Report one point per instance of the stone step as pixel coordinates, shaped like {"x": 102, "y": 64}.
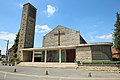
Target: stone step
{"x": 48, "y": 64}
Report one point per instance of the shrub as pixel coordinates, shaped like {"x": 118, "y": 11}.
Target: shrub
{"x": 109, "y": 62}
{"x": 5, "y": 61}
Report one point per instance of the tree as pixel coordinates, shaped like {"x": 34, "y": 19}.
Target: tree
{"x": 15, "y": 45}
{"x": 116, "y": 33}
{"x": 14, "y": 58}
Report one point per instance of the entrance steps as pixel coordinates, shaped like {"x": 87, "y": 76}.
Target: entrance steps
{"x": 48, "y": 64}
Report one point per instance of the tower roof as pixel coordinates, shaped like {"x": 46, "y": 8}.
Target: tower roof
{"x": 30, "y": 5}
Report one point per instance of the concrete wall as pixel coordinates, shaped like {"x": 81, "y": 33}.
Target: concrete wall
{"x": 101, "y": 53}
{"x": 27, "y": 56}
{"x": 83, "y": 54}
{"x": 70, "y": 37}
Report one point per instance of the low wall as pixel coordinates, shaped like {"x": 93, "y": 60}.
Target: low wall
{"x": 73, "y": 66}
{"x": 100, "y": 68}
{"x": 48, "y": 64}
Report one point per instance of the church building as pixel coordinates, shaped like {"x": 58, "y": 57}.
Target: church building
{"x": 61, "y": 45}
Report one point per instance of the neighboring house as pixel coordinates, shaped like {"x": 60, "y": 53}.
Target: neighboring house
{"x": 115, "y": 53}
{"x": 10, "y": 51}
{"x": 3, "y": 57}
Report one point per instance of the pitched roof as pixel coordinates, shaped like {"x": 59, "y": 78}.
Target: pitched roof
{"x": 59, "y": 26}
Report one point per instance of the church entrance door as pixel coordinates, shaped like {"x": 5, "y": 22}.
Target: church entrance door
{"x": 37, "y": 58}
{"x": 70, "y": 55}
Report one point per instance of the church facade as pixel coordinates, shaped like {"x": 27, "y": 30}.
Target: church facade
{"x": 66, "y": 45}
{"x": 62, "y": 45}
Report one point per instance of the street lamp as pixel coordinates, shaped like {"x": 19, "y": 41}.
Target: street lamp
{"x": 7, "y": 49}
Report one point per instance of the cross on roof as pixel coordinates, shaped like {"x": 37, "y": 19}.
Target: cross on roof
{"x": 58, "y": 34}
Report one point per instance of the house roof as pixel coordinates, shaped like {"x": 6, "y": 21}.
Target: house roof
{"x": 115, "y": 51}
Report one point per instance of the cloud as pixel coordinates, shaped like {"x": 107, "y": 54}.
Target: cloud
{"x": 0, "y": 48}
{"x": 3, "y": 50}
{"x": 7, "y": 36}
{"x": 21, "y": 5}
{"x": 50, "y": 10}
{"x": 106, "y": 37}
{"x": 90, "y": 34}
{"x": 42, "y": 28}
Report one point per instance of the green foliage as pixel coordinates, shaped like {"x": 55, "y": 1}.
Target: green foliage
{"x": 116, "y": 34}
{"x": 116, "y": 59}
{"x": 14, "y": 57}
{"x": 15, "y": 45}
{"x": 5, "y": 61}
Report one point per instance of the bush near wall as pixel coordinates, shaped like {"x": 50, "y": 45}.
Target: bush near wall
{"x": 116, "y": 59}
{"x": 100, "y": 63}
{"x": 4, "y": 62}
{"x": 110, "y": 62}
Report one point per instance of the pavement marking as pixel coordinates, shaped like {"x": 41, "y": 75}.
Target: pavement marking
{"x": 59, "y": 77}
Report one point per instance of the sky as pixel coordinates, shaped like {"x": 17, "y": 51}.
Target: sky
{"x": 94, "y": 19}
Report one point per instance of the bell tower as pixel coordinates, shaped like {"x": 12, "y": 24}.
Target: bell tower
{"x": 27, "y": 28}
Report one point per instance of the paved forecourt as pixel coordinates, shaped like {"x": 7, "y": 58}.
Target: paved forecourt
{"x": 35, "y": 73}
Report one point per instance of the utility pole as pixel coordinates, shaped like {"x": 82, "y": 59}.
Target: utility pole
{"x": 7, "y": 55}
